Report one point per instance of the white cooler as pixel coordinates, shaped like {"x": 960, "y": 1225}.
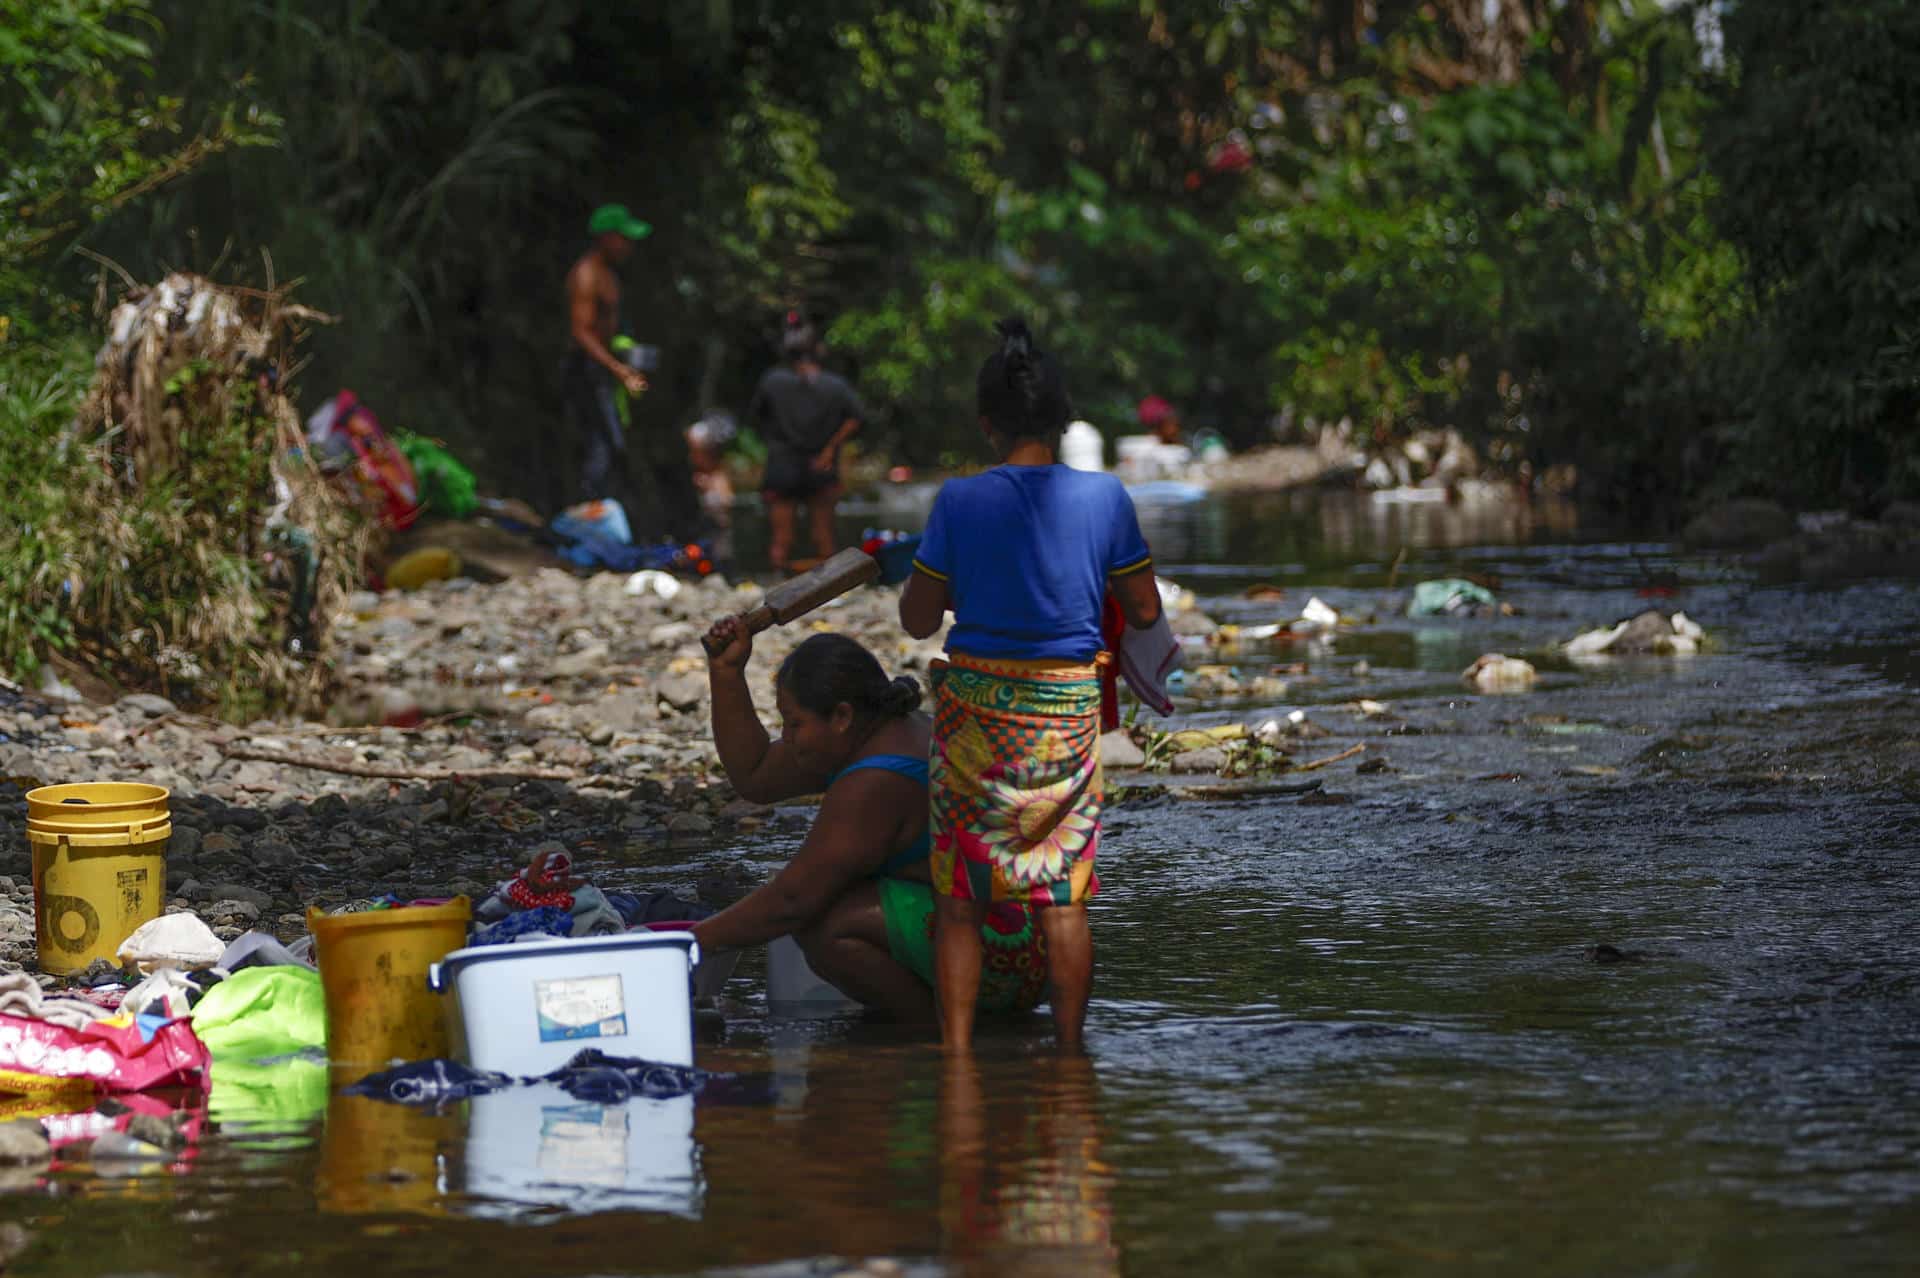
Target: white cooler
{"x": 538, "y": 1148}
{"x": 529, "y": 1007}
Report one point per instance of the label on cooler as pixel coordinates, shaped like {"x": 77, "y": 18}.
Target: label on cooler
{"x": 580, "y": 1007}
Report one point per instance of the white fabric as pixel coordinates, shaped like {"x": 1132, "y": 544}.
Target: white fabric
{"x": 1147, "y": 656}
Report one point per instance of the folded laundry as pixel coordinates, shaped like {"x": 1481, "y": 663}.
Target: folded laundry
{"x": 546, "y": 921}
{"x": 20, "y": 995}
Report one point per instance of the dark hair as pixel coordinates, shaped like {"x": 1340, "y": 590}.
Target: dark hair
{"x": 798, "y": 341}
{"x": 826, "y": 670}
{"x": 1020, "y": 390}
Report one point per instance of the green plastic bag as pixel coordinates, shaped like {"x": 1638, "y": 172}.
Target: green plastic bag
{"x": 262, "y": 1011}
{"x": 1447, "y": 594}
{"x": 446, "y": 487}
{"x": 271, "y": 1102}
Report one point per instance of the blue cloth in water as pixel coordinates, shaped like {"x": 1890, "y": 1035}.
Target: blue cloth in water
{"x": 430, "y": 1083}
{"x": 550, "y": 919}
{"x": 589, "y": 1076}
{"x": 611, "y": 1080}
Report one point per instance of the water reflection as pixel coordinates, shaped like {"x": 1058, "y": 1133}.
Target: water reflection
{"x": 1293, "y": 531}
{"x": 538, "y": 1148}
{"x": 1023, "y": 1186}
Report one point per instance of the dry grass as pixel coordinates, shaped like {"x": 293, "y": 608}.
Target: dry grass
{"x": 192, "y": 502}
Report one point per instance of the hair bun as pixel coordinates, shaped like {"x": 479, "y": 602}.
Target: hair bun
{"x": 902, "y": 696}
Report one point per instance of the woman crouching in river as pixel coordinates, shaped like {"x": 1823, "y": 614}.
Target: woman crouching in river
{"x": 856, "y": 897}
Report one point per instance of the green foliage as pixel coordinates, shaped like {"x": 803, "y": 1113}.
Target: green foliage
{"x": 1281, "y": 214}
{"x": 1813, "y": 141}
{"x": 86, "y": 136}
{"x": 39, "y": 390}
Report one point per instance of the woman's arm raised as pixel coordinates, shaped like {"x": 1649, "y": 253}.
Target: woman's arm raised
{"x": 759, "y": 768}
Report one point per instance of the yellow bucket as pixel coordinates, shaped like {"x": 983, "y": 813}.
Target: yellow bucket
{"x": 99, "y": 867}
{"x": 373, "y": 968}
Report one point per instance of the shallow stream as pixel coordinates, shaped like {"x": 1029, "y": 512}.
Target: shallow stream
{"x": 1612, "y": 977}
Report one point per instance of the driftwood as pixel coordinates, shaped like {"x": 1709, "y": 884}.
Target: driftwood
{"x": 391, "y": 772}
{"x": 1332, "y": 758}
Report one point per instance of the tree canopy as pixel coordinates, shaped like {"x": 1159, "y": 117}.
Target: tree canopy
{"x": 1604, "y": 232}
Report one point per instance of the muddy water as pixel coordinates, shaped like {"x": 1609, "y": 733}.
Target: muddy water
{"x": 1373, "y": 1031}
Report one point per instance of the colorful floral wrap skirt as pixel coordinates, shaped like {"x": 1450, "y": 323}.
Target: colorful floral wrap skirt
{"x": 1016, "y": 781}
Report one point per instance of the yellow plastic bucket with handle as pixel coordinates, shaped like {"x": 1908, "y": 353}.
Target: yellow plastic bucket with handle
{"x": 99, "y": 867}
{"x": 373, "y": 969}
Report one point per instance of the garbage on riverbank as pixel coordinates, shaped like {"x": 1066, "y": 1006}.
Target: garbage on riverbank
{"x": 1497, "y": 672}
{"x": 1650, "y": 633}
{"x": 1269, "y": 747}
{"x": 1451, "y": 597}
{"x": 192, "y": 548}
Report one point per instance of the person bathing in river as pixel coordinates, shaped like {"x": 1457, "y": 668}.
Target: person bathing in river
{"x": 856, "y": 897}
{"x": 1024, "y": 556}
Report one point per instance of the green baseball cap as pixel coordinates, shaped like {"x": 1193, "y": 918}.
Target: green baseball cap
{"x": 615, "y": 218}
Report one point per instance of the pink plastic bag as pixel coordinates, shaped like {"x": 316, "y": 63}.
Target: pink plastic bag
{"x": 112, "y": 1055}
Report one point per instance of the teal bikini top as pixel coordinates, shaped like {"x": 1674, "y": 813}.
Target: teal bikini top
{"x": 913, "y": 769}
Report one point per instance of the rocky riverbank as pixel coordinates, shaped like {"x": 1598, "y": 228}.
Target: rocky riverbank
{"x": 474, "y": 724}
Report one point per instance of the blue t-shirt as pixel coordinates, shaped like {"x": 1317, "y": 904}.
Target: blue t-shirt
{"x": 1025, "y": 552}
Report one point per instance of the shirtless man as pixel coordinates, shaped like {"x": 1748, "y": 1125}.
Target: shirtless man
{"x": 592, "y": 369}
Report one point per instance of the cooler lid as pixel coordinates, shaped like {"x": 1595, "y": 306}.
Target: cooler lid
{"x": 639, "y": 939}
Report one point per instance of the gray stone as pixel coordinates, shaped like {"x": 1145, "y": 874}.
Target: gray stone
{"x": 1643, "y": 633}
{"x": 220, "y": 843}
{"x": 275, "y": 850}
{"x": 682, "y": 692}
{"x": 184, "y": 845}
{"x": 23, "y": 1141}
{"x": 1211, "y": 759}
{"x": 222, "y": 908}
{"x": 144, "y": 705}
{"x": 565, "y": 752}
{"x": 237, "y": 892}
{"x": 119, "y": 1147}
{"x": 584, "y": 664}
{"x": 247, "y": 820}
{"x": 1902, "y": 514}
{"x": 1117, "y": 750}
{"x": 626, "y": 711}
{"x": 690, "y": 825}
{"x": 672, "y": 634}
{"x": 157, "y": 1131}
{"x": 1743, "y": 522}
{"x": 327, "y": 808}
{"x": 600, "y": 734}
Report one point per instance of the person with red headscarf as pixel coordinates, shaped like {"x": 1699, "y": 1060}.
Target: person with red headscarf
{"x": 1160, "y": 418}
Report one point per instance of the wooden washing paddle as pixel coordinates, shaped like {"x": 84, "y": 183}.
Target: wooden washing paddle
{"x": 851, "y": 567}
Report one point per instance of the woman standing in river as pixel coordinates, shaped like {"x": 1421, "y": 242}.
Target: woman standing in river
{"x": 856, "y": 897}
{"x": 1023, "y": 555}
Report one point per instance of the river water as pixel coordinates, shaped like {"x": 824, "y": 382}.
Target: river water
{"x": 1612, "y": 977}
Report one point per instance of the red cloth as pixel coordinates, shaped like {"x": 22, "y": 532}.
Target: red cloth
{"x": 1113, "y": 627}
{"x": 527, "y": 897}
